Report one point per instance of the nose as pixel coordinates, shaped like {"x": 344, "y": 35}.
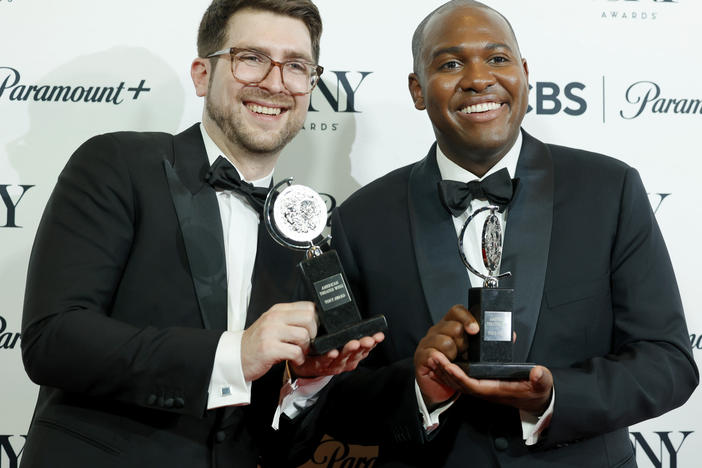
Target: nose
{"x": 273, "y": 82}
{"x": 477, "y": 76}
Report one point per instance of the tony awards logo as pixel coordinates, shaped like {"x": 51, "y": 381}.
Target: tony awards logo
{"x": 295, "y": 218}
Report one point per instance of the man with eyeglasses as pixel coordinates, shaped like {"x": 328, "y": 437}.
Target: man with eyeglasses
{"x": 157, "y": 317}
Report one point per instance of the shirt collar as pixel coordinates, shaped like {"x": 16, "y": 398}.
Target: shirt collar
{"x": 213, "y": 152}
{"x": 451, "y": 171}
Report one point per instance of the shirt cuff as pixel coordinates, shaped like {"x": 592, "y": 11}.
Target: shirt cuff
{"x": 298, "y": 395}
{"x": 532, "y": 425}
{"x": 227, "y": 384}
{"x": 430, "y": 421}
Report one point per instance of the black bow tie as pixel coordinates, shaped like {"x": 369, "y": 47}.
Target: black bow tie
{"x": 496, "y": 188}
{"x": 224, "y": 176}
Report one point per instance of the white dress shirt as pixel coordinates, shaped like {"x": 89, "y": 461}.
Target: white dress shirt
{"x": 228, "y": 387}
{"x": 532, "y": 425}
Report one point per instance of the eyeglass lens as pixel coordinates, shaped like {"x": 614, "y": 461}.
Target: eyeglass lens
{"x": 251, "y": 67}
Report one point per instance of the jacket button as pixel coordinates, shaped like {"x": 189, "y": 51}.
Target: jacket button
{"x": 151, "y": 400}
{"x": 501, "y": 444}
{"x": 220, "y": 436}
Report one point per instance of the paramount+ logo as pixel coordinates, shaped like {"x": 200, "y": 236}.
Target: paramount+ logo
{"x": 13, "y": 89}
{"x": 8, "y": 339}
{"x": 696, "y": 341}
{"x": 647, "y": 97}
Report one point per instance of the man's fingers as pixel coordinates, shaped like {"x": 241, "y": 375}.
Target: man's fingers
{"x": 339, "y": 361}
{"x": 446, "y": 378}
{"x": 541, "y": 379}
{"x": 460, "y": 314}
{"x": 301, "y": 314}
{"x": 290, "y": 352}
{"x": 295, "y": 335}
{"x": 444, "y": 344}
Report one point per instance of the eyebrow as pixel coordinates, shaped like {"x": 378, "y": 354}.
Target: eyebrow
{"x": 288, "y": 54}
{"x": 455, "y": 50}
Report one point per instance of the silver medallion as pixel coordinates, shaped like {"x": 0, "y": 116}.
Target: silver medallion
{"x": 300, "y": 213}
{"x": 492, "y": 244}
{"x": 491, "y": 247}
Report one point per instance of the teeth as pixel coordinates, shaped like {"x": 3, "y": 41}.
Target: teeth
{"x": 483, "y": 107}
{"x": 263, "y": 110}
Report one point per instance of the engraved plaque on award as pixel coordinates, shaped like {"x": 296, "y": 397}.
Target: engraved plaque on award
{"x": 295, "y": 217}
{"x": 490, "y": 351}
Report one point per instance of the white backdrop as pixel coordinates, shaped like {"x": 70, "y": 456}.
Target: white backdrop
{"x": 614, "y": 76}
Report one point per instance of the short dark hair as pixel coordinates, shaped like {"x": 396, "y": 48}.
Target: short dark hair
{"x": 418, "y": 36}
{"x": 212, "y": 33}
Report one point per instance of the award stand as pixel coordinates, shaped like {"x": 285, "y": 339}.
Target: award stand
{"x": 295, "y": 217}
{"x": 490, "y": 351}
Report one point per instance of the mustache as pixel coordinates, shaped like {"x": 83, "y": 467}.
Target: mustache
{"x": 278, "y": 99}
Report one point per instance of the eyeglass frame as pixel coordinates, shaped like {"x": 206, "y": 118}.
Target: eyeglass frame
{"x": 274, "y": 63}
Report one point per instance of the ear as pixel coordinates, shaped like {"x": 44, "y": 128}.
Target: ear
{"x": 415, "y": 90}
{"x": 200, "y": 73}
{"x": 526, "y": 69}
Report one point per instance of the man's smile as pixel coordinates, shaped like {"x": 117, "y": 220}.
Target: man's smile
{"x": 264, "y": 109}
{"x": 482, "y": 107}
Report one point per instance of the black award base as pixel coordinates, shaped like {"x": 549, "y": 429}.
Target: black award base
{"x": 490, "y": 351}
{"x": 339, "y": 318}
{"x": 497, "y": 370}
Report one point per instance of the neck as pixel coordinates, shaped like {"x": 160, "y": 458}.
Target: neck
{"x": 478, "y": 161}
{"x": 476, "y": 164}
{"x": 251, "y": 166}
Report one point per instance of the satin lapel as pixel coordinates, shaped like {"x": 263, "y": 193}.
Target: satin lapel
{"x": 443, "y": 276}
{"x": 200, "y": 223}
{"x": 527, "y": 239}
{"x": 275, "y": 277}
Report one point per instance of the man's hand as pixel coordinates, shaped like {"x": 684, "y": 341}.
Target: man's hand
{"x": 533, "y": 395}
{"x": 439, "y": 378}
{"x": 335, "y": 362}
{"x": 441, "y": 345}
{"x": 282, "y": 333}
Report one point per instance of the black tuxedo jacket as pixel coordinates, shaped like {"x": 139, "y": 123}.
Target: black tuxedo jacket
{"x": 124, "y": 307}
{"x": 595, "y": 301}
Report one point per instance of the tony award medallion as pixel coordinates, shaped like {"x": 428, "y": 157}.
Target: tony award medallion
{"x": 490, "y": 351}
{"x": 295, "y": 217}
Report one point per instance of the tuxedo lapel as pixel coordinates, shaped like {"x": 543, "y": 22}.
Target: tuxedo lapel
{"x": 443, "y": 276}
{"x": 527, "y": 239}
{"x": 275, "y": 277}
{"x": 200, "y": 223}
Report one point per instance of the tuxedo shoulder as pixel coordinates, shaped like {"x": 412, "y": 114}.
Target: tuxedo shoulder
{"x": 119, "y": 148}
{"x": 391, "y": 186}
{"x": 128, "y": 142}
{"x": 582, "y": 159}
{"x": 578, "y": 169}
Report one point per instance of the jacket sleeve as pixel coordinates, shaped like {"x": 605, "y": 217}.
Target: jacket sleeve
{"x": 650, "y": 369}
{"x": 70, "y": 341}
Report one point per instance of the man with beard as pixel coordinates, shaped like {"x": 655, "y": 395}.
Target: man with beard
{"x": 156, "y": 314}
{"x": 596, "y": 305}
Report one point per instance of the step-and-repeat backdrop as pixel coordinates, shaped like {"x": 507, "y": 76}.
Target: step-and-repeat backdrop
{"x": 619, "y": 77}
